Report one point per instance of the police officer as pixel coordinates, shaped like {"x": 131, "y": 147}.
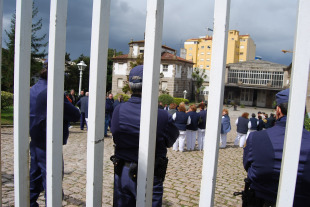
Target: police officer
{"x": 262, "y": 160}
{"x": 125, "y": 128}
{"x": 38, "y": 108}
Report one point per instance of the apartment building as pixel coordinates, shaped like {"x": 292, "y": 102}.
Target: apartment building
{"x": 239, "y": 48}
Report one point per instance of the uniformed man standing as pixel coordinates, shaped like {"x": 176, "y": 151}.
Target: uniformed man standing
{"x": 38, "y": 109}
{"x": 262, "y": 161}
{"x": 125, "y": 129}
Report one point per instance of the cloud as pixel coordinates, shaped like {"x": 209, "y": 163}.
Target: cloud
{"x": 271, "y": 24}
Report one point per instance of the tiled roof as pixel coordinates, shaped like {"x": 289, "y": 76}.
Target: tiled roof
{"x": 121, "y": 57}
{"x": 164, "y": 56}
{"x": 169, "y": 56}
{"x": 208, "y": 38}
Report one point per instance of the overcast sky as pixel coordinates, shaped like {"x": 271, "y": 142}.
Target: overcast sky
{"x": 271, "y": 23}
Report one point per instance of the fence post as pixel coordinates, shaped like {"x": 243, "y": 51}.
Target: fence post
{"x": 97, "y": 88}
{"x": 149, "y": 106}
{"x": 296, "y": 110}
{"x": 21, "y": 101}
{"x": 213, "y": 125}
{"x": 55, "y": 101}
{"x": 1, "y": 17}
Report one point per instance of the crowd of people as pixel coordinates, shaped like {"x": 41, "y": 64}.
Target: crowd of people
{"x": 261, "y": 137}
{"x": 246, "y": 125}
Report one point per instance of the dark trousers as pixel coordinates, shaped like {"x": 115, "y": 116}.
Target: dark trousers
{"x": 252, "y": 201}
{"x": 106, "y": 124}
{"x": 82, "y": 120}
{"x": 37, "y": 173}
{"x": 125, "y": 190}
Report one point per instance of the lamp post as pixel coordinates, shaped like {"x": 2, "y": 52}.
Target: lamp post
{"x": 81, "y": 67}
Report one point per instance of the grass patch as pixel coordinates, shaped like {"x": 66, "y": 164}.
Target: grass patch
{"x": 7, "y": 116}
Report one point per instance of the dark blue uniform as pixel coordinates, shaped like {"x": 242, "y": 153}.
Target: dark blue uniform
{"x": 108, "y": 114}
{"x": 262, "y": 160}
{"x": 203, "y": 116}
{"x": 125, "y": 128}
{"x": 38, "y": 108}
{"x": 83, "y": 105}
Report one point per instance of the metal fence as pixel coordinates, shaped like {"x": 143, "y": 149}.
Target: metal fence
{"x": 153, "y": 40}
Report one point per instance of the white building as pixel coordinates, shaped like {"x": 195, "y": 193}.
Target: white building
{"x": 175, "y": 71}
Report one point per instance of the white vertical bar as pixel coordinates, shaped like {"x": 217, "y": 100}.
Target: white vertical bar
{"x": 97, "y": 88}
{"x": 55, "y": 101}
{"x": 297, "y": 100}
{"x": 21, "y": 100}
{"x": 213, "y": 126}
{"x": 1, "y": 17}
{"x": 148, "y": 122}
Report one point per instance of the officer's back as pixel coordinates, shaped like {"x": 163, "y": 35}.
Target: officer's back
{"x": 125, "y": 128}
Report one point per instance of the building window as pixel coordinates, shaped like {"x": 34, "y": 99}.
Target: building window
{"x": 190, "y": 54}
{"x": 242, "y": 46}
{"x": 165, "y": 68}
{"x": 209, "y": 47}
{"x": 202, "y": 53}
{"x": 208, "y": 59}
{"x": 208, "y": 53}
{"x": 255, "y": 77}
{"x": 241, "y": 53}
{"x": 176, "y": 87}
{"x": 202, "y": 47}
{"x": 201, "y": 66}
{"x": 164, "y": 85}
{"x": 232, "y": 38}
{"x": 208, "y": 66}
{"x": 201, "y": 59}
{"x": 120, "y": 83}
{"x": 190, "y": 48}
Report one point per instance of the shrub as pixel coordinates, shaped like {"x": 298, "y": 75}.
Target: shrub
{"x": 177, "y": 101}
{"x": 166, "y": 99}
{"x": 241, "y": 106}
{"x": 125, "y": 97}
{"x": 6, "y": 99}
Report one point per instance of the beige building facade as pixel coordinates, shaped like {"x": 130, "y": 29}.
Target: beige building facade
{"x": 175, "y": 71}
{"x": 239, "y": 48}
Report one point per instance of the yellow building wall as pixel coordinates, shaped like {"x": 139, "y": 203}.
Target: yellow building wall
{"x": 233, "y": 47}
{"x": 191, "y": 47}
{"x": 239, "y": 48}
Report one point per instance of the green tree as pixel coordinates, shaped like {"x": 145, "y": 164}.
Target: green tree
{"x": 72, "y": 74}
{"x": 37, "y": 51}
{"x": 198, "y": 76}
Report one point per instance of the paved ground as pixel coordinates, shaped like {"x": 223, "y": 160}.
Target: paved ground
{"x": 182, "y": 184}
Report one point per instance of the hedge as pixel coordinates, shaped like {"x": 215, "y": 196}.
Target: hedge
{"x": 165, "y": 99}
{"x": 125, "y": 97}
{"x": 6, "y": 99}
{"x": 177, "y": 101}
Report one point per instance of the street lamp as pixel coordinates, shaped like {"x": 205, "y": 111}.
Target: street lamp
{"x": 81, "y": 67}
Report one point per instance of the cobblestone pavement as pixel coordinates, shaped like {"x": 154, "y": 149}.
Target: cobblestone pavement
{"x": 182, "y": 184}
